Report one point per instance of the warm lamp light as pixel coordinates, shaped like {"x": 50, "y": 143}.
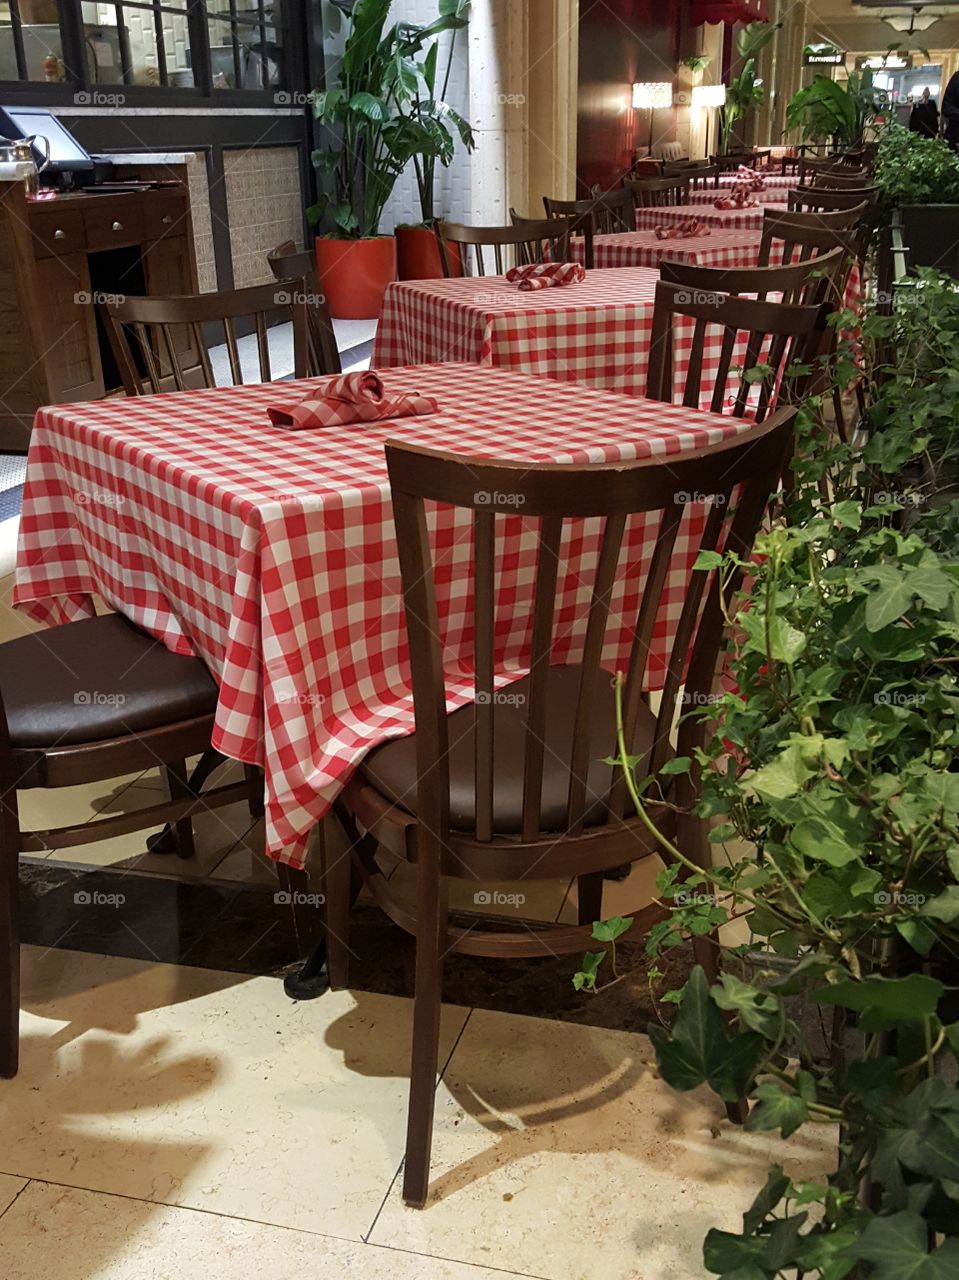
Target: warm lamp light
{"x": 709, "y": 95}
{"x": 652, "y": 94}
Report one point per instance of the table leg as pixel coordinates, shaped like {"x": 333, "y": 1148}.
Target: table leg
{"x": 166, "y": 841}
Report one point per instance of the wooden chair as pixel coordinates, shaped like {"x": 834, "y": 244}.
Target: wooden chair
{"x": 809, "y": 282}
{"x": 456, "y": 805}
{"x": 542, "y": 240}
{"x": 776, "y": 335}
{"x": 828, "y": 200}
{"x": 834, "y": 180}
{"x": 813, "y": 168}
{"x": 733, "y": 159}
{"x": 160, "y": 344}
{"x": 703, "y": 176}
{"x": 811, "y": 234}
{"x": 649, "y": 193}
{"x": 613, "y": 211}
{"x": 291, "y": 264}
{"x": 86, "y": 702}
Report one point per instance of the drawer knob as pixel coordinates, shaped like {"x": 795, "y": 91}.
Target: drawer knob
{"x": 167, "y": 219}
{"x": 118, "y": 226}
{"x": 59, "y": 235}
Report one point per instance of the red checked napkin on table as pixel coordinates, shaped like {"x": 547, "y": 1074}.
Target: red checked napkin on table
{"x": 352, "y": 397}
{"x": 738, "y": 198}
{"x": 749, "y": 178}
{"x": 681, "y": 230}
{"x": 545, "y": 275}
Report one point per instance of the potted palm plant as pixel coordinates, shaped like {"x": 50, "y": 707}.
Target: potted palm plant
{"x": 744, "y": 92}
{"x": 830, "y": 110}
{"x": 373, "y": 136}
{"x": 438, "y": 127}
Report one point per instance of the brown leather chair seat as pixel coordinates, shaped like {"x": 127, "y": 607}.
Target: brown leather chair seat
{"x": 97, "y": 679}
{"x": 391, "y": 768}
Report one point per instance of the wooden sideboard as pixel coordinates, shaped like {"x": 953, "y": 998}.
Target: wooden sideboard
{"x": 56, "y": 258}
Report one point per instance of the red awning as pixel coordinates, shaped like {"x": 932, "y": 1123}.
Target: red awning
{"x": 729, "y": 11}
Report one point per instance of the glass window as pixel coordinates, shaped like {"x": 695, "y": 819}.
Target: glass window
{"x": 246, "y": 43}
{"x": 31, "y": 44}
{"x": 138, "y": 43}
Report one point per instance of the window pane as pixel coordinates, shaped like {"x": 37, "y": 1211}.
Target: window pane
{"x": 42, "y": 43}
{"x": 130, "y": 53}
{"x": 246, "y": 41}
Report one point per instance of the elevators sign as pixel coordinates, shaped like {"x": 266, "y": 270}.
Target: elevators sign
{"x": 823, "y": 55}
{"x": 885, "y": 62}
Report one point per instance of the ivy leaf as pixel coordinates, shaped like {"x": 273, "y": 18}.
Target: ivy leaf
{"x": 586, "y": 976}
{"x": 759, "y": 1010}
{"x": 777, "y": 1109}
{"x": 783, "y": 776}
{"x": 776, "y": 1186}
{"x": 884, "y": 1002}
{"x": 897, "y": 1248}
{"x": 725, "y": 1254}
{"x": 611, "y": 929}
{"x": 944, "y": 907}
{"x": 678, "y": 764}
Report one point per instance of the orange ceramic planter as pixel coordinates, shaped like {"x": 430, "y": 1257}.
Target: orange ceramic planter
{"x": 354, "y": 275}
{"x": 418, "y": 255}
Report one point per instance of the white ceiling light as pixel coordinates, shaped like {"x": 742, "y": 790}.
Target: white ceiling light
{"x": 916, "y": 18}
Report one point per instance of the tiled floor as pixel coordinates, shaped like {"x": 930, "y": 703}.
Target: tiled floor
{"x": 175, "y": 1121}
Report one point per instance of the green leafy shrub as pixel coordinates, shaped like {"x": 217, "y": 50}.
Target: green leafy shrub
{"x": 912, "y": 169}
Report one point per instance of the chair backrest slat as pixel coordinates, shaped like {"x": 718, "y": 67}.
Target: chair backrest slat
{"x": 291, "y": 264}
{"x": 663, "y": 493}
{"x": 151, "y": 336}
{"x": 811, "y": 280}
{"x": 531, "y": 241}
{"x": 829, "y": 199}
{"x": 649, "y": 193}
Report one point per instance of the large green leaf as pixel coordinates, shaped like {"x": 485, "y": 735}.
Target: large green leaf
{"x": 884, "y": 1002}
{"x": 777, "y": 1109}
{"x": 897, "y": 1248}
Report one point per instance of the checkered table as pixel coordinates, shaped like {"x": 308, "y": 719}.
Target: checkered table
{"x": 729, "y": 220}
{"x": 643, "y": 249}
{"x": 271, "y": 554}
{"x": 596, "y": 333}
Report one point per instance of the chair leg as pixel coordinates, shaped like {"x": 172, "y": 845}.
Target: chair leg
{"x": 254, "y": 779}
{"x": 335, "y": 876}
{"x": 9, "y": 936}
{"x": 431, "y": 931}
{"x": 178, "y": 787}
{"x": 589, "y": 890}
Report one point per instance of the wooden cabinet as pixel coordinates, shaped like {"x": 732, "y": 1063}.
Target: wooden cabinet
{"x": 56, "y": 258}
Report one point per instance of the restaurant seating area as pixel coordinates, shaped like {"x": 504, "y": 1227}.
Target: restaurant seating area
{"x": 479, "y": 602}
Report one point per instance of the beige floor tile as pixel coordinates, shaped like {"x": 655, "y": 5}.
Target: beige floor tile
{"x": 10, "y": 1188}
{"x": 209, "y": 1091}
{"x": 621, "y": 897}
{"x": 557, "y": 1150}
{"x": 57, "y": 1233}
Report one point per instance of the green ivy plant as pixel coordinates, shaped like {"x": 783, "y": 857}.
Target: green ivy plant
{"x": 833, "y": 751}
{"x": 912, "y": 169}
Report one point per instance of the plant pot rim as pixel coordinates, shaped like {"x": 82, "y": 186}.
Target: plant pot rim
{"x": 355, "y": 239}
{"x": 416, "y": 226}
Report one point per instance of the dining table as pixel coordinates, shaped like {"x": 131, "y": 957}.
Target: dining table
{"x": 671, "y": 215}
{"x": 595, "y": 333}
{"x": 712, "y": 247}
{"x": 271, "y": 553}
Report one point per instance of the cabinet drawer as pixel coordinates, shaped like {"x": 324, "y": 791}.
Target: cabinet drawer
{"x": 165, "y": 215}
{"x": 56, "y": 232}
{"x": 119, "y": 222}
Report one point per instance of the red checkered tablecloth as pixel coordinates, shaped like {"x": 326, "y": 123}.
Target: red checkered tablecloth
{"x": 729, "y": 220}
{"x": 644, "y": 249}
{"x": 271, "y": 554}
{"x": 596, "y": 333}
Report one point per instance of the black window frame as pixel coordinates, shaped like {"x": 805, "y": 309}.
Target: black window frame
{"x": 299, "y": 36}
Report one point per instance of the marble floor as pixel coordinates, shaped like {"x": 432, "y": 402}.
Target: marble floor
{"x": 171, "y": 1121}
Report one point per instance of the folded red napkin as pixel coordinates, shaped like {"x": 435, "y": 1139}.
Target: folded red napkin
{"x": 749, "y": 178}
{"x": 352, "y": 397}
{"x": 545, "y": 275}
{"x": 681, "y": 230}
{"x": 738, "y": 198}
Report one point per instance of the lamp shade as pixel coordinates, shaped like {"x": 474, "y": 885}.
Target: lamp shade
{"x": 709, "y": 95}
{"x": 653, "y": 94}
